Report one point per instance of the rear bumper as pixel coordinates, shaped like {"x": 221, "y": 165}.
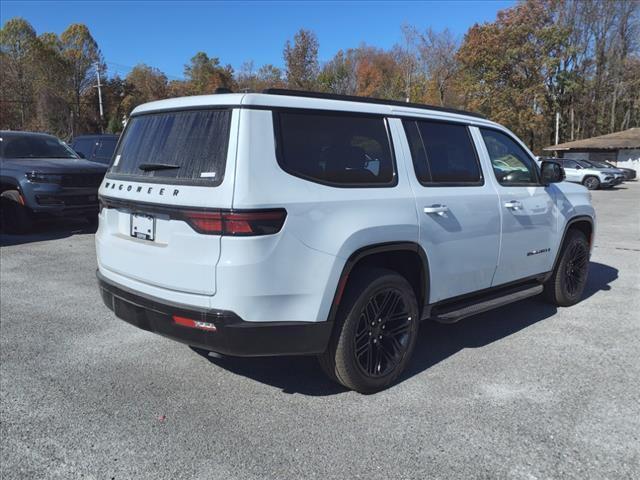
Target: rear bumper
{"x": 232, "y": 335}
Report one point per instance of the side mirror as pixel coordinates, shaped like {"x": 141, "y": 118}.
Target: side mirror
{"x": 552, "y": 172}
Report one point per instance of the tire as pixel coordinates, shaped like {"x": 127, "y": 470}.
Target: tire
{"x": 375, "y": 331}
{"x": 92, "y": 220}
{"x": 15, "y": 217}
{"x": 592, "y": 183}
{"x": 566, "y": 284}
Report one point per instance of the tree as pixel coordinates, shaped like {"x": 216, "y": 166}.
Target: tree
{"x": 18, "y": 50}
{"x": 437, "y": 56}
{"x": 267, "y": 76}
{"x": 301, "y": 60}
{"x": 205, "y": 74}
{"x": 270, "y": 76}
{"x": 503, "y": 64}
{"x": 143, "y": 84}
{"x": 52, "y": 81}
{"x": 83, "y": 58}
{"x": 339, "y": 74}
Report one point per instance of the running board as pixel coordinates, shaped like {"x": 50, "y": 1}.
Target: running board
{"x": 452, "y": 316}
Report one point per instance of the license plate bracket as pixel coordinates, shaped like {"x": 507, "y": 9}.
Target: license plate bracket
{"x": 143, "y": 226}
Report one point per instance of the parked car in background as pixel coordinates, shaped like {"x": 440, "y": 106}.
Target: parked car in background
{"x": 589, "y": 175}
{"x": 41, "y": 175}
{"x": 96, "y": 148}
{"x": 629, "y": 173}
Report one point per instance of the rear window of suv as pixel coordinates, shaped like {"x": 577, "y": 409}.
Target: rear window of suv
{"x": 335, "y": 148}
{"x": 175, "y": 147}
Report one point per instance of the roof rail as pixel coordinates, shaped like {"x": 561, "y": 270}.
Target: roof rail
{"x": 354, "y": 98}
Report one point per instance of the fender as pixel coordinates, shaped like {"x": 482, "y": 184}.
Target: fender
{"x": 369, "y": 250}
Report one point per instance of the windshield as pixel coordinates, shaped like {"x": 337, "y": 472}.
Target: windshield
{"x": 601, "y": 164}
{"x": 32, "y": 146}
{"x": 175, "y": 147}
{"x": 584, "y": 163}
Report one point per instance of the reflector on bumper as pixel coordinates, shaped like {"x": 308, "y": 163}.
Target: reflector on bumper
{"x": 190, "y": 323}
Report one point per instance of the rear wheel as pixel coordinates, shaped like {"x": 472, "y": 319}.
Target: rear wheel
{"x": 592, "y": 183}
{"x": 566, "y": 285}
{"x": 376, "y": 330}
{"x": 15, "y": 217}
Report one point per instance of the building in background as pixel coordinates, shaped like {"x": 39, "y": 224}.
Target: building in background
{"x": 620, "y": 148}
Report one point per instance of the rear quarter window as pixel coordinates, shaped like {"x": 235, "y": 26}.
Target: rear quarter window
{"x": 337, "y": 149}
{"x": 192, "y": 145}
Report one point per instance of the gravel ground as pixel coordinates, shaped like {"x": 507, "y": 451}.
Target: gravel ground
{"x": 526, "y": 391}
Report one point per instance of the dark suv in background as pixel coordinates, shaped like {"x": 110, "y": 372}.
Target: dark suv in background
{"x": 97, "y": 148}
{"x": 41, "y": 175}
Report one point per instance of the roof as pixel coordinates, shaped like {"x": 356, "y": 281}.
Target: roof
{"x": 613, "y": 141}
{"x": 354, "y": 98}
{"x": 20, "y": 133}
{"x": 96, "y": 135}
{"x": 310, "y": 100}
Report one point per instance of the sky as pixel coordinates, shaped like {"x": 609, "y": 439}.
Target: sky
{"x": 166, "y": 34}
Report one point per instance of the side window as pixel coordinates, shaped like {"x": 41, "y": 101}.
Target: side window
{"x": 569, "y": 164}
{"x": 84, "y": 146}
{"x": 104, "y": 151}
{"x": 511, "y": 164}
{"x": 442, "y": 153}
{"x": 334, "y": 148}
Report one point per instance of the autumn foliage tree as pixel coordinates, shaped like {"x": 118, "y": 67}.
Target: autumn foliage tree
{"x": 82, "y": 58}
{"x": 204, "y": 74}
{"x": 301, "y": 60}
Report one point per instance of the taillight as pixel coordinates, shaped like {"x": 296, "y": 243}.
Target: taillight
{"x": 205, "y": 222}
{"x": 236, "y": 223}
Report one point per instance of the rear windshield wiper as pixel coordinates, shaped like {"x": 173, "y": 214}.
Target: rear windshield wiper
{"x": 148, "y": 167}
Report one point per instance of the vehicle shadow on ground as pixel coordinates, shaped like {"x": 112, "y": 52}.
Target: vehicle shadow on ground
{"x": 436, "y": 342}
{"x": 49, "y": 229}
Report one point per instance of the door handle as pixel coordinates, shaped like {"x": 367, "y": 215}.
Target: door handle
{"x": 437, "y": 209}
{"x": 513, "y": 205}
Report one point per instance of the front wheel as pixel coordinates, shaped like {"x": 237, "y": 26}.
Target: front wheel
{"x": 567, "y": 282}
{"x": 15, "y": 217}
{"x": 376, "y": 330}
{"x": 592, "y": 183}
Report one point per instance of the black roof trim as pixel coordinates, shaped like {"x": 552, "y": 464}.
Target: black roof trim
{"x": 354, "y": 98}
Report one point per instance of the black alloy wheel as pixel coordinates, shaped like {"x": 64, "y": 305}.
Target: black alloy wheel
{"x": 569, "y": 278}
{"x": 575, "y": 270}
{"x": 382, "y": 335}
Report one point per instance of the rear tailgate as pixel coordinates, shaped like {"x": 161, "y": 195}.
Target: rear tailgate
{"x": 144, "y": 233}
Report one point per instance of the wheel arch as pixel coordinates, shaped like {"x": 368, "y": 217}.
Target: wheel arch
{"x": 407, "y": 258}
{"x": 9, "y": 183}
{"x": 583, "y": 223}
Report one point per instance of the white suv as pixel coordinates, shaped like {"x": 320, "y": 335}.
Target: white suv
{"x": 590, "y": 175}
{"x": 290, "y": 223}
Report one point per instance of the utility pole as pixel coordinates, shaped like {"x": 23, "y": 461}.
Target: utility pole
{"x": 557, "y": 128}
{"x": 100, "y": 96}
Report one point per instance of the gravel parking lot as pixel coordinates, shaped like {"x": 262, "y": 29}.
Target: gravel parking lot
{"x": 526, "y": 391}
